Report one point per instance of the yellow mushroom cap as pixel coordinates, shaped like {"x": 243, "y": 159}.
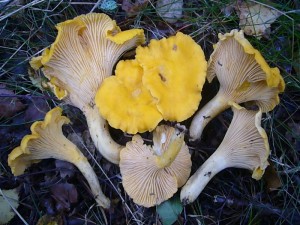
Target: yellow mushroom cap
{"x": 174, "y": 72}
{"x": 125, "y": 103}
{"x": 143, "y": 179}
{"x": 47, "y": 141}
{"x": 83, "y": 54}
{"x": 243, "y": 73}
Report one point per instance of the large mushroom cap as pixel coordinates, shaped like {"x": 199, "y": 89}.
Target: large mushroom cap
{"x": 47, "y": 141}
{"x": 125, "y": 103}
{"x": 243, "y": 73}
{"x": 174, "y": 72}
{"x": 84, "y": 52}
{"x": 144, "y": 179}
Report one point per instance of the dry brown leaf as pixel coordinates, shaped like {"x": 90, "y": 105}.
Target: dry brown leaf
{"x": 36, "y": 110}
{"x": 133, "y": 7}
{"x": 64, "y": 194}
{"x": 255, "y": 19}
{"x": 272, "y": 178}
{"x": 169, "y": 10}
{"x": 9, "y": 105}
{"x": 66, "y": 169}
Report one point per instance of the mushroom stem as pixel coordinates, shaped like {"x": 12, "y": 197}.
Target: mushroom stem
{"x": 47, "y": 141}
{"x": 91, "y": 177}
{"x": 216, "y": 105}
{"x": 196, "y": 183}
{"x": 100, "y": 135}
{"x": 70, "y": 153}
{"x": 171, "y": 153}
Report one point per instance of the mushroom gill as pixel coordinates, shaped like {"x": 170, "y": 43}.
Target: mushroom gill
{"x": 245, "y": 146}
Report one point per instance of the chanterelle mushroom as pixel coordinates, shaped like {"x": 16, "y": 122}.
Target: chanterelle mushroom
{"x": 131, "y": 107}
{"x": 48, "y": 141}
{"x": 244, "y": 76}
{"x": 174, "y": 73}
{"x": 83, "y": 54}
{"x": 151, "y": 175}
{"x": 245, "y": 145}
{"x": 155, "y": 85}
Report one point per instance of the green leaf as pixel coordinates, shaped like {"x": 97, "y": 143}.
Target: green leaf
{"x": 8, "y": 199}
{"x": 169, "y": 210}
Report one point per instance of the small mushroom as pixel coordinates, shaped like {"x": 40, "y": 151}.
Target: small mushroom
{"x": 84, "y": 53}
{"x": 151, "y": 175}
{"x": 245, "y": 145}
{"x": 47, "y": 141}
{"x": 244, "y": 76}
{"x": 174, "y": 73}
{"x": 131, "y": 107}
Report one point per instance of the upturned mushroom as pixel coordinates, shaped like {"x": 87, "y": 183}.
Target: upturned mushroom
{"x": 244, "y": 76}
{"x": 84, "y": 53}
{"x": 151, "y": 175}
{"x": 47, "y": 141}
{"x": 245, "y": 145}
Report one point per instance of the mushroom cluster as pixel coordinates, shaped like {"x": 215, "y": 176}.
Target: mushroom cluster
{"x": 244, "y": 76}
{"x": 155, "y": 85}
{"x": 163, "y": 82}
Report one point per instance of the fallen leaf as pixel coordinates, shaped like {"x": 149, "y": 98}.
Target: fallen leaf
{"x": 9, "y": 104}
{"x": 169, "y": 210}
{"x": 65, "y": 168}
{"x": 169, "y": 10}
{"x": 133, "y": 8}
{"x": 272, "y": 178}
{"x": 255, "y": 19}
{"x": 64, "y": 194}
{"x": 36, "y": 110}
{"x": 8, "y": 199}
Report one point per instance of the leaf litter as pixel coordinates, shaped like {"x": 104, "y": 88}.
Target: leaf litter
{"x": 65, "y": 179}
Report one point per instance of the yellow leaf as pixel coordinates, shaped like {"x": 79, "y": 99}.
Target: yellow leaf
{"x": 255, "y": 18}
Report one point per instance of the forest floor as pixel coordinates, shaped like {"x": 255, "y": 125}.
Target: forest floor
{"x": 56, "y": 191}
